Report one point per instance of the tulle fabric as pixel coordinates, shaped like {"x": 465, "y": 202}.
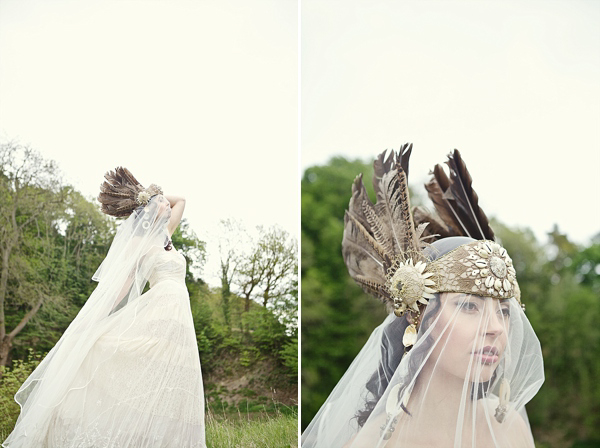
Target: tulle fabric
{"x": 126, "y": 372}
{"x": 445, "y": 391}
{"x": 449, "y": 394}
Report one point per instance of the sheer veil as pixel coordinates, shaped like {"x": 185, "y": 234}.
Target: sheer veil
{"x": 465, "y": 382}
{"x": 121, "y": 278}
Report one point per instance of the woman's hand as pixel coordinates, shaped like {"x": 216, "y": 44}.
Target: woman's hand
{"x": 177, "y": 204}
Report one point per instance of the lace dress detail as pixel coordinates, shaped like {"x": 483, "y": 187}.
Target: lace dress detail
{"x": 141, "y": 388}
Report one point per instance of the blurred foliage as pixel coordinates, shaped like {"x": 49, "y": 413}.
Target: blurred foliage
{"x": 337, "y": 317}
{"x": 560, "y": 286}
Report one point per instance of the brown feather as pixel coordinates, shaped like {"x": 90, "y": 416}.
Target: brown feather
{"x": 466, "y": 197}
{"x": 118, "y": 193}
{"x": 379, "y": 230}
{"x": 456, "y": 202}
{"x": 410, "y": 238}
{"x": 389, "y": 211}
{"x": 375, "y": 289}
{"x": 381, "y": 166}
{"x": 361, "y": 259}
{"x": 440, "y": 190}
{"x": 435, "y": 225}
{"x": 403, "y": 158}
{"x": 359, "y": 201}
{"x": 367, "y": 236}
{"x": 361, "y": 210}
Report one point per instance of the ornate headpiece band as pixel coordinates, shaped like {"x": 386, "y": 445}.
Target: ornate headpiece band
{"x": 383, "y": 243}
{"x": 144, "y": 196}
{"x": 121, "y": 193}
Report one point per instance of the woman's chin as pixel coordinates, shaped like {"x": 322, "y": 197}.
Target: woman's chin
{"x": 484, "y": 375}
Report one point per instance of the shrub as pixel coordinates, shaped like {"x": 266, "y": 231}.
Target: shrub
{"x": 12, "y": 379}
{"x": 289, "y": 357}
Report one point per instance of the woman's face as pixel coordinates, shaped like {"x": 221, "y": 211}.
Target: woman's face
{"x": 471, "y": 334}
{"x": 158, "y": 208}
{"x": 163, "y": 207}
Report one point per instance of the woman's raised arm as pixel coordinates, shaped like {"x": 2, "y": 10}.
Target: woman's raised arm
{"x": 177, "y": 206}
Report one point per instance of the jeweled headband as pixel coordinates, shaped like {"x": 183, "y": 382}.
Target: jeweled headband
{"x": 383, "y": 243}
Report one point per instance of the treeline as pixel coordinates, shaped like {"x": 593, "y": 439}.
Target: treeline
{"x": 52, "y": 239}
{"x": 255, "y": 311}
{"x": 559, "y": 280}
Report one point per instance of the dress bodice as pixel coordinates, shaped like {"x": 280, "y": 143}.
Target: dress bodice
{"x": 167, "y": 265}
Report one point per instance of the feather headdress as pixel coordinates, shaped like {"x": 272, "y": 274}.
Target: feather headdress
{"x": 456, "y": 203}
{"x": 383, "y": 242}
{"x": 121, "y": 193}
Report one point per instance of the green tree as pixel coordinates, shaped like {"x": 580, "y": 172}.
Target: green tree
{"x": 231, "y": 237}
{"x": 558, "y": 289}
{"x": 30, "y": 197}
{"x": 79, "y": 239}
{"x": 337, "y": 317}
{"x": 192, "y": 248}
{"x": 250, "y": 276}
{"x": 289, "y": 357}
{"x": 209, "y": 332}
{"x": 278, "y": 264}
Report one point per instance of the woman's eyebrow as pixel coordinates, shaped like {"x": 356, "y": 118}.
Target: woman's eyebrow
{"x": 466, "y": 297}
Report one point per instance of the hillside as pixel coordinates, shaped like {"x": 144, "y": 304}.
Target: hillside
{"x": 249, "y": 367}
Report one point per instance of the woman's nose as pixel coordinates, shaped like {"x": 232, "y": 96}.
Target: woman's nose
{"x": 494, "y": 322}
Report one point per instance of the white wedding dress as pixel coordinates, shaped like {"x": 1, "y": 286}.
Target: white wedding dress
{"x": 140, "y": 384}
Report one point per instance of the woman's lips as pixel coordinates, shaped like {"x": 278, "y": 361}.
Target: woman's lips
{"x": 488, "y": 355}
{"x": 488, "y": 359}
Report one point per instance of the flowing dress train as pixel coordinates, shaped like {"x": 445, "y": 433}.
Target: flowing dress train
{"x": 140, "y": 384}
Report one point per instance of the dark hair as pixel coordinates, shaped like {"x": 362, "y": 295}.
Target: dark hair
{"x": 392, "y": 354}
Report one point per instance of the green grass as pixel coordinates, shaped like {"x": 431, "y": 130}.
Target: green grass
{"x": 252, "y": 430}
{"x": 249, "y": 430}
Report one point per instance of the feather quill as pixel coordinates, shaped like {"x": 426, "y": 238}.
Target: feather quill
{"x": 440, "y": 194}
{"x": 411, "y": 242}
{"x": 467, "y": 198}
{"x": 456, "y": 202}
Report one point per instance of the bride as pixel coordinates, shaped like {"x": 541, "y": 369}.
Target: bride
{"x": 456, "y": 360}
{"x": 126, "y": 372}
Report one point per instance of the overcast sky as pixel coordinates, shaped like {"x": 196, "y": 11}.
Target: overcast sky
{"x": 514, "y": 85}
{"x": 200, "y": 97}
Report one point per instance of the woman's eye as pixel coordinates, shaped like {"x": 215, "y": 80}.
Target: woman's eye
{"x": 469, "y": 306}
{"x": 506, "y": 312}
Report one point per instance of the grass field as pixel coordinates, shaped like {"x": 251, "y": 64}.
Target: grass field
{"x": 250, "y": 430}
{"x": 253, "y": 430}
